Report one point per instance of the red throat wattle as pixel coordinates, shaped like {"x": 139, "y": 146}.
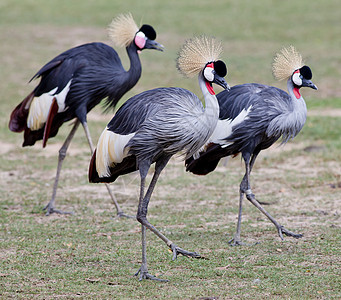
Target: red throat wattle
{"x": 210, "y": 88}
{"x": 208, "y": 84}
{"x": 297, "y": 93}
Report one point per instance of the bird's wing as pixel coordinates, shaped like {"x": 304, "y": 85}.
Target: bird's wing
{"x": 265, "y": 104}
{"x": 58, "y": 72}
{"x": 56, "y": 81}
{"x": 135, "y": 111}
{"x": 111, "y": 159}
{"x": 67, "y": 65}
{"x": 239, "y": 97}
{"x": 137, "y": 130}
{"x": 247, "y": 110}
{"x": 245, "y": 114}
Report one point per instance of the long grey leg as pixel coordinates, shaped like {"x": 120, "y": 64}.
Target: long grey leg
{"x": 62, "y": 153}
{"x": 280, "y": 228}
{"x": 243, "y": 187}
{"x": 236, "y": 239}
{"x": 251, "y": 197}
{"x": 143, "y": 270}
{"x": 142, "y": 217}
{"x": 88, "y": 136}
{"x": 119, "y": 211}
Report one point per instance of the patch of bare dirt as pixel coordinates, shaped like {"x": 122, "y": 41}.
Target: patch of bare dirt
{"x": 6, "y": 147}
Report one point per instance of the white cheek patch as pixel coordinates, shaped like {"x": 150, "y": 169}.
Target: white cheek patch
{"x": 296, "y": 79}
{"x": 140, "y": 39}
{"x": 208, "y": 74}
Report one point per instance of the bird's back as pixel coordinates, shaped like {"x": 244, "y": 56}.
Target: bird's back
{"x": 149, "y": 125}
{"x": 163, "y": 119}
{"x": 162, "y": 101}
{"x": 88, "y": 73}
{"x": 67, "y": 65}
{"x": 271, "y": 114}
{"x": 252, "y": 116}
{"x": 242, "y": 96}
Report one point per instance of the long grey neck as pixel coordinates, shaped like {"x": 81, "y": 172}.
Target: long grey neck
{"x": 296, "y": 119}
{"x": 135, "y": 70}
{"x": 211, "y": 112}
{"x": 298, "y": 101}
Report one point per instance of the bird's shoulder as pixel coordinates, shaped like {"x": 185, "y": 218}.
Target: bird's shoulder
{"x": 149, "y": 104}
{"x": 87, "y": 58}
{"x": 79, "y": 57}
{"x": 254, "y": 95}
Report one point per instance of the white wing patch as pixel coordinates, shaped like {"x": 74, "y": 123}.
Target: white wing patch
{"x": 110, "y": 151}
{"x": 40, "y": 107}
{"x": 224, "y": 128}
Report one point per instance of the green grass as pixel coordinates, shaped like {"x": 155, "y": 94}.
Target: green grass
{"x": 91, "y": 254}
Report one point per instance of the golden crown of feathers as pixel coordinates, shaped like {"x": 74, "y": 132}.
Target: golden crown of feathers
{"x": 196, "y": 53}
{"x": 122, "y": 30}
{"x": 286, "y": 62}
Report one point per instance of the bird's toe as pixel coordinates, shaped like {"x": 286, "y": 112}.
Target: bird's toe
{"x": 289, "y": 233}
{"x": 145, "y": 275}
{"x": 177, "y": 250}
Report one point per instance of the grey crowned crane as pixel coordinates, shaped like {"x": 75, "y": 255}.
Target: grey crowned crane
{"x": 253, "y": 117}
{"x": 153, "y": 126}
{"x": 76, "y": 81}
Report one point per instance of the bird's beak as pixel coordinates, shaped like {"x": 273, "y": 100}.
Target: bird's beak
{"x": 308, "y": 83}
{"x": 221, "y": 81}
{"x": 151, "y": 44}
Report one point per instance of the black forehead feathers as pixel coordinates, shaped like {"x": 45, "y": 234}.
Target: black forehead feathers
{"x": 306, "y": 72}
{"x": 148, "y": 31}
{"x": 220, "y": 68}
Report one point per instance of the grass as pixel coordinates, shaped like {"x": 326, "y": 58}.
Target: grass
{"x": 91, "y": 254}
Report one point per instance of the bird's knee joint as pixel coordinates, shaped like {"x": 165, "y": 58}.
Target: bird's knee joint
{"x": 62, "y": 153}
{"x": 141, "y": 218}
{"x": 243, "y": 187}
{"x": 248, "y": 192}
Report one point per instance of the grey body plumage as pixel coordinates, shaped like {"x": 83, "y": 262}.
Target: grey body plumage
{"x": 252, "y": 118}
{"x": 154, "y": 125}
{"x": 273, "y": 114}
{"x": 178, "y": 110}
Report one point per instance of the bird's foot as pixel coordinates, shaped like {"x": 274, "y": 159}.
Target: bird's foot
{"x": 121, "y": 214}
{"x": 282, "y": 230}
{"x": 236, "y": 242}
{"x": 177, "y": 250}
{"x": 50, "y": 210}
{"x": 143, "y": 271}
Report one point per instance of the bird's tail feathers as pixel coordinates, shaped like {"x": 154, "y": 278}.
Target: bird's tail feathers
{"x": 111, "y": 150}
{"x": 52, "y": 113}
{"x": 127, "y": 166}
{"x": 93, "y": 175}
{"x": 207, "y": 161}
{"x": 18, "y": 118}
